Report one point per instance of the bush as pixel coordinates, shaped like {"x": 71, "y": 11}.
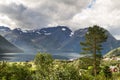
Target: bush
{"x": 107, "y": 72}
{"x": 14, "y": 72}
{"x": 44, "y": 63}
{"x": 43, "y": 60}
{"x": 66, "y": 72}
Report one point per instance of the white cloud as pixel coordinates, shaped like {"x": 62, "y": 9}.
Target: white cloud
{"x": 6, "y": 2}
{"x": 117, "y": 36}
{"x": 103, "y": 13}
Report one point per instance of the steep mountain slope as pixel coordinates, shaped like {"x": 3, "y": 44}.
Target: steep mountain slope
{"x": 7, "y": 47}
{"x": 114, "y": 52}
{"x": 58, "y": 39}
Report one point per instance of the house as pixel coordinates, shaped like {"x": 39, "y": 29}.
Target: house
{"x": 114, "y": 69}
{"x": 106, "y": 59}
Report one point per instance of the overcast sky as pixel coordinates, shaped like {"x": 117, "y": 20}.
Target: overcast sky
{"x": 76, "y": 14}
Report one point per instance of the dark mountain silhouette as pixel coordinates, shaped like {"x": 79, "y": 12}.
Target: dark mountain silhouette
{"x": 7, "y": 47}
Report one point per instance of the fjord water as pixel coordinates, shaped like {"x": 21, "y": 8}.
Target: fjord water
{"x": 17, "y": 57}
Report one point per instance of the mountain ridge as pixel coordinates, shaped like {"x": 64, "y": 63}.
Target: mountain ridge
{"x": 52, "y": 39}
{"x": 7, "y": 47}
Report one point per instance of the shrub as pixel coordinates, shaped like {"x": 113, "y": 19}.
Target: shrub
{"x": 107, "y": 72}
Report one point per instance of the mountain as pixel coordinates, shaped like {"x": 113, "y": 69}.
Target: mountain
{"x": 114, "y": 52}
{"x": 54, "y": 40}
{"x": 7, "y": 47}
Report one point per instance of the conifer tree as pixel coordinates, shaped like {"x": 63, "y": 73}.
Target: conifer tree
{"x": 93, "y": 43}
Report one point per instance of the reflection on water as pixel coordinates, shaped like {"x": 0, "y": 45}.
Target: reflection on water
{"x": 28, "y": 57}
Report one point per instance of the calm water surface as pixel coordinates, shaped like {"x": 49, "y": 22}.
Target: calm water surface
{"x": 28, "y": 57}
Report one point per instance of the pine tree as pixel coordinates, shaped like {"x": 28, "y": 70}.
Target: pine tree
{"x": 93, "y": 43}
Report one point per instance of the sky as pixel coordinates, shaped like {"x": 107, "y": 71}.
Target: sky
{"x": 76, "y": 14}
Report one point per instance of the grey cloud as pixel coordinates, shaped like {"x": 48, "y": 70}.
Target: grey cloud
{"x": 43, "y": 13}
{"x": 61, "y": 11}
{"x": 23, "y": 16}
{"x": 65, "y": 8}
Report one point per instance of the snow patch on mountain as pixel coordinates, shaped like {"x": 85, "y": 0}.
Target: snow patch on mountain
{"x": 47, "y": 33}
{"x": 72, "y": 33}
{"x": 63, "y": 29}
{"x": 24, "y": 31}
{"x": 38, "y": 32}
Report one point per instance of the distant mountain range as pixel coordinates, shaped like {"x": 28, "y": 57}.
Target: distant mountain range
{"x": 53, "y": 40}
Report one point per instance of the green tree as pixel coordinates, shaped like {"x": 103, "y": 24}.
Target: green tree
{"x": 44, "y": 63}
{"x": 93, "y": 42}
{"x": 43, "y": 59}
{"x": 14, "y": 72}
{"x": 85, "y": 62}
{"x": 66, "y": 72}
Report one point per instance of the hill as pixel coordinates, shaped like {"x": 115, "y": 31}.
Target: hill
{"x": 114, "y": 52}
